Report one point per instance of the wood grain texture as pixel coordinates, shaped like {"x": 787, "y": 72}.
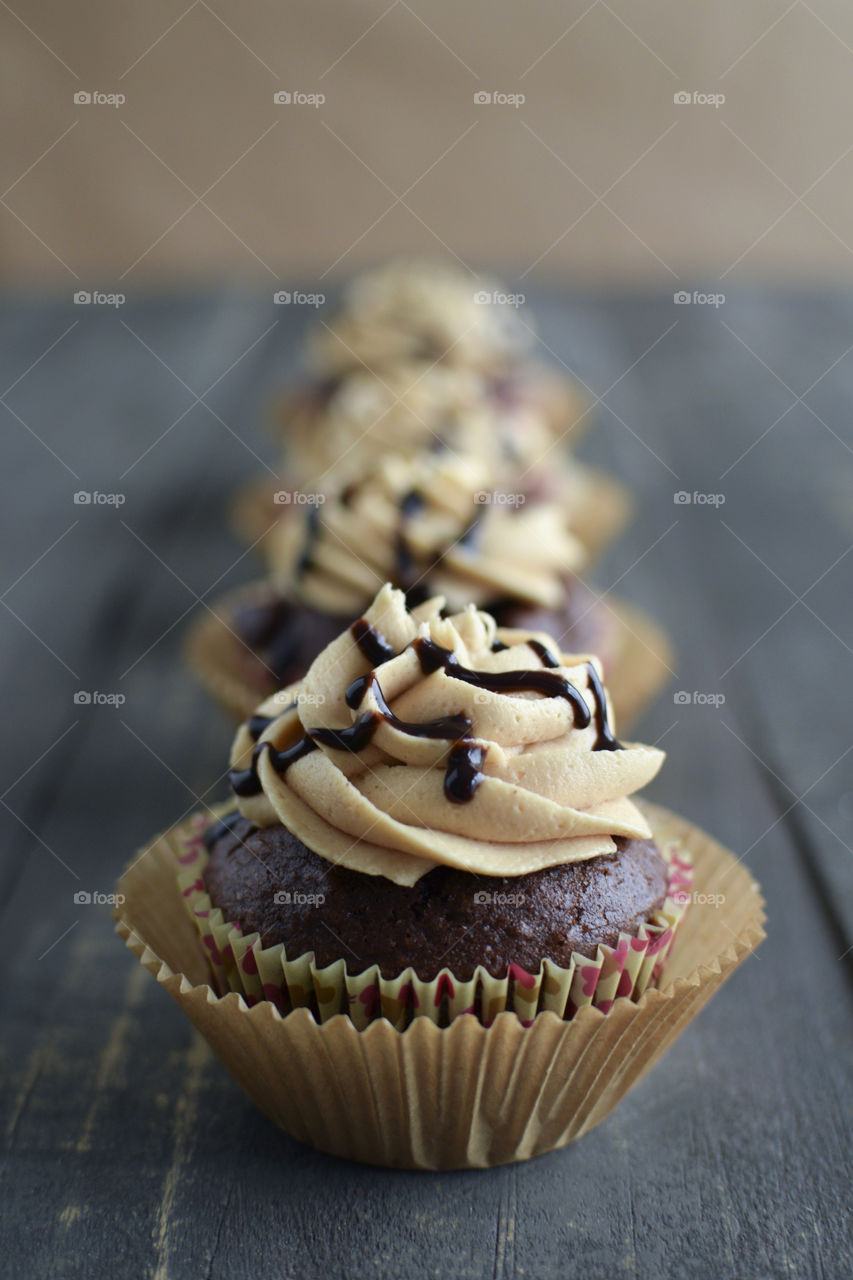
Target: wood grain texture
{"x": 128, "y": 1152}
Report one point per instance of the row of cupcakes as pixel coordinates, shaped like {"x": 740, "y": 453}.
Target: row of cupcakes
{"x": 426, "y": 448}
{"x": 432, "y": 926}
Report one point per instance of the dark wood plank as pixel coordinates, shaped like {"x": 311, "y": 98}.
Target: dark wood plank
{"x": 128, "y": 1152}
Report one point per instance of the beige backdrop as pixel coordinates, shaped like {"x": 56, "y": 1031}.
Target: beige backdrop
{"x": 599, "y": 173}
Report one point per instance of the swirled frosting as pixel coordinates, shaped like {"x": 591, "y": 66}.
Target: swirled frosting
{"x": 420, "y": 311}
{"x": 410, "y": 409}
{"x": 432, "y": 525}
{"x": 417, "y": 740}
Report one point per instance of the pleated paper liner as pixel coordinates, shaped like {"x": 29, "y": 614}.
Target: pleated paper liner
{"x": 240, "y": 963}
{"x": 600, "y": 508}
{"x": 637, "y": 658}
{"x": 457, "y": 1097}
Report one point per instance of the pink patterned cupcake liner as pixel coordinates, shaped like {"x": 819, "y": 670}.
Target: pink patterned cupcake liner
{"x": 242, "y": 964}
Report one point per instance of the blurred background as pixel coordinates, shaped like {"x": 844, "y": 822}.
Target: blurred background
{"x": 585, "y": 165}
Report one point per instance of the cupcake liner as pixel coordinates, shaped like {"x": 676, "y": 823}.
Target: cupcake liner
{"x": 240, "y": 963}
{"x": 461, "y": 1096}
{"x": 637, "y": 656}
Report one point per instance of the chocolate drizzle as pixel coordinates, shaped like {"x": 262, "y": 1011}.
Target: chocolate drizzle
{"x": 245, "y": 782}
{"x": 605, "y": 739}
{"x": 371, "y": 642}
{"x": 432, "y": 656}
{"x": 545, "y": 655}
{"x": 463, "y": 776}
{"x": 463, "y": 773}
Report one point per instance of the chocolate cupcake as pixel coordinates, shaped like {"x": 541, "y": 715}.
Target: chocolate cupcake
{"x": 436, "y": 821}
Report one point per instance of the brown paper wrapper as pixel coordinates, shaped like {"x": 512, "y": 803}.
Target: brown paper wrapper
{"x": 637, "y": 657}
{"x": 456, "y": 1097}
{"x": 241, "y": 963}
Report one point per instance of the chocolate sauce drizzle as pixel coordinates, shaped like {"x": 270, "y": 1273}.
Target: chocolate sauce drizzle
{"x": 462, "y": 776}
{"x": 432, "y": 656}
{"x": 545, "y": 655}
{"x": 371, "y": 642}
{"x": 605, "y": 739}
{"x": 463, "y": 773}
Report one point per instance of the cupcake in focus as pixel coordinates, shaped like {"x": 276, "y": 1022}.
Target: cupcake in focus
{"x": 433, "y": 927}
{"x": 437, "y": 820}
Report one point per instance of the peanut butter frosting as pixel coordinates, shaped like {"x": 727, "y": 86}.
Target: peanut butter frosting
{"x": 420, "y": 311}
{"x": 417, "y": 739}
{"x": 409, "y": 409}
{"x": 431, "y": 524}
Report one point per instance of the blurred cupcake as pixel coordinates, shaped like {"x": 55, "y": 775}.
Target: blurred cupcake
{"x": 411, "y": 313}
{"x": 433, "y": 890}
{"x": 430, "y": 525}
{"x": 428, "y": 766}
{"x": 411, "y": 409}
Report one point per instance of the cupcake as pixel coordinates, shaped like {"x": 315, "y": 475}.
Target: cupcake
{"x": 426, "y": 766}
{"x": 431, "y": 525}
{"x": 411, "y": 409}
{"x": 433, "y": 928}
{"x": 411, "y": 313}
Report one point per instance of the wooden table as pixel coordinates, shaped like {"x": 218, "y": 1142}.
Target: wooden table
{"x": 128, "y": 1151}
